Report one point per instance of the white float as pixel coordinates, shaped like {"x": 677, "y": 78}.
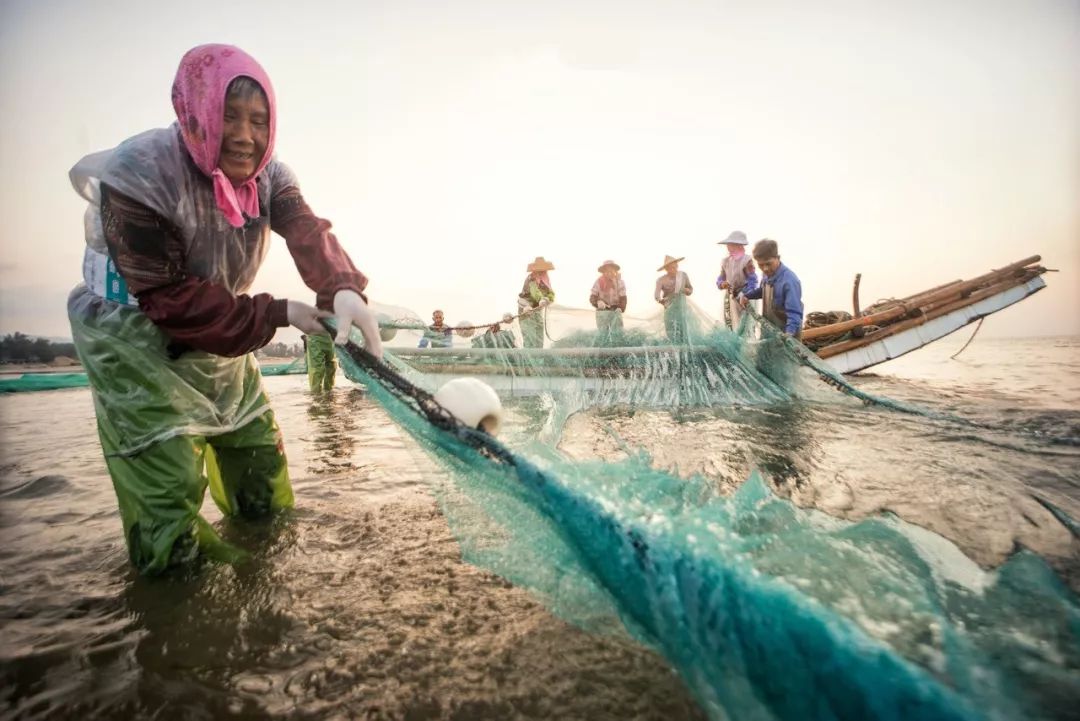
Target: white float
{"x": 387, "y": 334}
{"x": 472, "y": 402}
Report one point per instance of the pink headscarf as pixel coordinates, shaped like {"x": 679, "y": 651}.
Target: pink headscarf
{"x": 198, "y": 96}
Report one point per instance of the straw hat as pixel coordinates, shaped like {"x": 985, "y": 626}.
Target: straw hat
{"x": 668, "y": 260}
{"x": 607, "y": 263}
{"x": 737, "y": 237}
{"x": 540, "y": 264}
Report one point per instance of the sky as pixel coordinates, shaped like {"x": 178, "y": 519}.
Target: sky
{"x": 450, "y": 143}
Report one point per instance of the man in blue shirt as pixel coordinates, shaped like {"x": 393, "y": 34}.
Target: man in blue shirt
{"x": 781, "y": 291}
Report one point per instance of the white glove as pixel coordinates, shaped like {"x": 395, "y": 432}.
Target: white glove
{"x": 601, "y": 305}
{"x": 306, "y": 318}
{"x": 349, "y": 310}
{"x": 543, "y": 302}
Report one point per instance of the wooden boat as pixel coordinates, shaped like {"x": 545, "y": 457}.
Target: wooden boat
{"x": 890, "y": 329}
{"x": 887, "y": 330}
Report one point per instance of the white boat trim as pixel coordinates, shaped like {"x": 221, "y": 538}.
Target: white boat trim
{"x": 911, "y": 339}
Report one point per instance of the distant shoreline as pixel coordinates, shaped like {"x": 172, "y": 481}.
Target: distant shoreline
{"x": 18, "y": 369}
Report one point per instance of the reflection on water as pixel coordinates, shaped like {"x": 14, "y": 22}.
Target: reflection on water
{"x": 355, "y": 604}
{"x": 333, "y": 424}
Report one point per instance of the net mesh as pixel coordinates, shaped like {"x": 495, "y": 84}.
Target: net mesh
{"x": 767, "y": 610}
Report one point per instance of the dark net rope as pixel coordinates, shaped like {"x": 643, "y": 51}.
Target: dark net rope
{"x": 423, "y": 402}
{"x": 411, "y": 324}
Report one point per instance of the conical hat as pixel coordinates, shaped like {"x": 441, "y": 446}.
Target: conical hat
{"x": 607, "y": 263}
{"x": 737, "y": 237}
{"x": 668, "y": 260}
{"x": 540, "y": 264}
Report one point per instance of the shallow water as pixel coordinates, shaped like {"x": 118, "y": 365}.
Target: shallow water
{"x": 357, "y": 603}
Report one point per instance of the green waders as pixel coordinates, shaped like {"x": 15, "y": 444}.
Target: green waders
{"x": 532, "y": 329}
{"x": 160, "y": 490}
{"x": 172, "y": 426}
{"x": 609, "y": 326}
{"x": 675, "y": 320}
{"x": 321, "y": 363}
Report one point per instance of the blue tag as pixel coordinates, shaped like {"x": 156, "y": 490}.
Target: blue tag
{"x": 115, "y": 285}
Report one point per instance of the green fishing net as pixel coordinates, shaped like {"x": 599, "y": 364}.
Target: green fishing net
{"x": 767, "y": 610}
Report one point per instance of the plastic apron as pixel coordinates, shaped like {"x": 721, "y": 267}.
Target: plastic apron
{"x": 148, "y": 397}
{"x": 172, "y": 426}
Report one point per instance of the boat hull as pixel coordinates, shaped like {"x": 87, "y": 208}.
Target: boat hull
{"x": 911, "y": 339}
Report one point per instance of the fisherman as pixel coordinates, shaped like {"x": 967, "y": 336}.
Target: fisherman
{"x": 737, "y": 274}
{"x": 178, "y": 224}
{"x": 321, "y": 362}
{"x": 438, "y": 334}
{"x": 671, "y": 291}
{"x": 781, "y": 290}
{"x": 608, "y": 296}
{"x": 536, "y": 294}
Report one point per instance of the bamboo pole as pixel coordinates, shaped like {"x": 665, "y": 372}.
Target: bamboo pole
{"x": 929, "y": 297}
{"x": 855, "y": 296}
{"x": 914, "y": 299}
{"x": 931, "y": 314}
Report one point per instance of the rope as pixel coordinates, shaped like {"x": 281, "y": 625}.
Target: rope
{"x": 422, "y": 402}
{"x": 805, "y": 357}
{"x": 953, "y": 356}
{"x": 544, "y": 321}
{"x": 410, "y": 324}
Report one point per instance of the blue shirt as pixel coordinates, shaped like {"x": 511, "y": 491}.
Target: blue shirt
{"x": 787, "y": 297}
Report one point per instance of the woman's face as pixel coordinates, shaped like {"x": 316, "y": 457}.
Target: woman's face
{"x": 609, "y": 272}
{"x": 245, "y": 135}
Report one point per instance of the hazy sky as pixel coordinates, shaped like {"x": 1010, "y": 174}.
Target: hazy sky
{"x": 451, "y": 142}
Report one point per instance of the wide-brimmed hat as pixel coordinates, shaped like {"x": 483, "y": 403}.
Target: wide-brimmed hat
{"x": 540, "y": 264}
{"x": 607, "y": 263}
{"x": 737, "y": 237}
{"x": 668, "y": 260}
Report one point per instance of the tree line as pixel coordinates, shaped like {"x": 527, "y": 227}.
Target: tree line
{"x": 21, "y": 348}
{"x": 281, "y": 350}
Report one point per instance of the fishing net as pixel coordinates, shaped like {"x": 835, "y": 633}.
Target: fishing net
{"x": 767, "y": 610}
{"x": 43, "y": 382}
